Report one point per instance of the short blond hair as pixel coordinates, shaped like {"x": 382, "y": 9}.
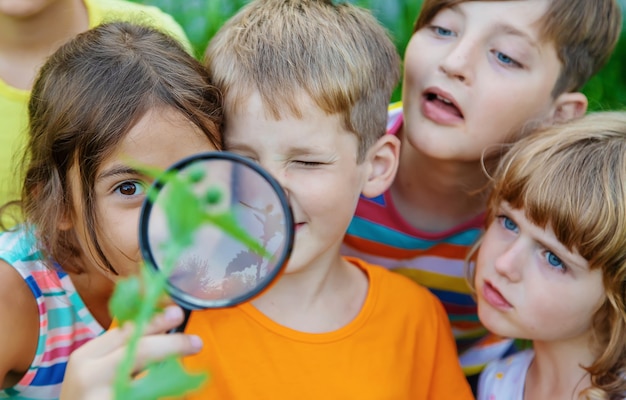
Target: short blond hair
{"x": 584, "y": 33}
{"x": 338, "y": 54}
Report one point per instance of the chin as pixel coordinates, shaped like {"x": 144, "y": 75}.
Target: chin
{"x": 490, "y": 319}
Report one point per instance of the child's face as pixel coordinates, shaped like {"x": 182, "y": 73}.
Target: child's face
{"x": 160, "y": 138}
{"x": 315, "y": 160}
{"x": 476, "y": 75}
{"x": 528, "y": 285}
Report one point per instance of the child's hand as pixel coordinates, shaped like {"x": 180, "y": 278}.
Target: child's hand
{"x": 91, "y": 369}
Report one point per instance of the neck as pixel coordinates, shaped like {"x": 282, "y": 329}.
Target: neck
{"x": 95, "y": 289}
{"x": 556, "y": 371}
{"x": 436, "y": 195}
{"x": 319, "y": 298}
{"x": 25, "y": 43}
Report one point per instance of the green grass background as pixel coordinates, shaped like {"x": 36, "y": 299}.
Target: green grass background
{"x": 202, "y": 18}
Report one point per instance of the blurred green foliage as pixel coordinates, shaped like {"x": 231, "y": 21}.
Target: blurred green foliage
{"x": 202, "y": 18}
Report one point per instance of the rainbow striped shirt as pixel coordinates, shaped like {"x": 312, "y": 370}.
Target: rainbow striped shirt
{"x": 64, "y": 321}
{"x": 378, "y": 234}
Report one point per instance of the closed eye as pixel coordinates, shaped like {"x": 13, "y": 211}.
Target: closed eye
{"x": 308, "y": 163}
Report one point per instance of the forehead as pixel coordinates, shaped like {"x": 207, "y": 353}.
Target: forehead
{"x": 252, "y": 125}
{"x": 161, "y": 137}
{"x": 537, "y": 8}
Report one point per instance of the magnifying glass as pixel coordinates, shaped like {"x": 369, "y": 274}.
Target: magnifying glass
{"x": 219, "y": 227}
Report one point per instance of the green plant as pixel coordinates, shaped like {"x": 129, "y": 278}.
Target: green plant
{"x": 136, "y": 298}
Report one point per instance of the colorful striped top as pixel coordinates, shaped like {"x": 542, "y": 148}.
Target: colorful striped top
{"x": 64, "y": 321}
{"x": 379, "y": 235}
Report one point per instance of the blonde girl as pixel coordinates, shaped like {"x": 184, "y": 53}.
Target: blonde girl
{"x": 551, "y": 267}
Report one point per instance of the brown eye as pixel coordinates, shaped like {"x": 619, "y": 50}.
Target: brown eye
{"x": 130, "y": 188}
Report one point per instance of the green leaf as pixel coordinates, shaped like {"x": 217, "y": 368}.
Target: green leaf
{"x": 126, "y": 300}
{"x": 226, "y": 221}
{"x": 165, "y": 379}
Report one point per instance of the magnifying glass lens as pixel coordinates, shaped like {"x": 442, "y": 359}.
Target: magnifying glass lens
{"x": 220, "y": 227}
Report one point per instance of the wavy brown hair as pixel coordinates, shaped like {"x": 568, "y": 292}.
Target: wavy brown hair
{"x": 86, "y": 98}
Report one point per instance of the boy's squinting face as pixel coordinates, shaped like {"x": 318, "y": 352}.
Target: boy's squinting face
{"x": 159, "y": 139}
{"x": 315, "y": 160}
{"x": 530, "y": 286}
{"x": 475, "y": 75}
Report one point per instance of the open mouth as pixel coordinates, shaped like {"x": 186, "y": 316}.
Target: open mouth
{"x": 443, "y": 103}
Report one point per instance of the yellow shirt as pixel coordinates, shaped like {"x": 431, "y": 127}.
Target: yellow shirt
{"x": 14, "y": 102}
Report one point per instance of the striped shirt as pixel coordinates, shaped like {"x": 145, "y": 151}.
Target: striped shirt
{"x": 379, "y": 234}
{"x": 64, "y": 321}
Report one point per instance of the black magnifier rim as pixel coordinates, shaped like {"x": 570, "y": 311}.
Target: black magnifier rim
{"x": 184, "y": 299}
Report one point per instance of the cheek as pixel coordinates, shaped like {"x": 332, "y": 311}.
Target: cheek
{"x": 412, "y": 59}
{"x": 119, "y": 237}
{"x": 519, "y": 107}
{"x": 487, "y": 252}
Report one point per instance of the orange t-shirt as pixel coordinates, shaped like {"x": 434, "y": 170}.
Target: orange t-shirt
{"x": 399, "y": 346}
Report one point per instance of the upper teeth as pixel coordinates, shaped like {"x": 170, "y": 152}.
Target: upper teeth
{"x": 444, "y": 99}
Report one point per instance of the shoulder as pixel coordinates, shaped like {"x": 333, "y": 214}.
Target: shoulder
{"x": 18, "y": 339}
{"x": 110, "y": 10}
{"x": 398, "y": 289}
{"x": 505, "y": 377}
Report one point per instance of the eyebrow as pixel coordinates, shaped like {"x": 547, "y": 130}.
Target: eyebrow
{"x": 301, "y": 150}
{"x": 292, "y": 151}
{"x": 511, "y": 30}
{"x": 117, "y": 171}
{"x": 504, "y": 28}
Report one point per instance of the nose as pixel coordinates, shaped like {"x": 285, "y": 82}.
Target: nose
{"x": 510, "y": 263}
{"x": 457, "y": 63}
{"x": 278, "y": 172}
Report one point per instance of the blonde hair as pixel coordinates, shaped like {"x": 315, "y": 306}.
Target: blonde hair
{"x": 338, "y": 54}
{"x": 584, "y": 34}
{"x": 572, "y": 177}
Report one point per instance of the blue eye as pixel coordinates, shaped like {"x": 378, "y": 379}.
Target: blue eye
{"x": 508, "y": 223}
{"x": 554, "y": 261}
{"x": 506, "y": 60}
{"x": 439, "y": 31}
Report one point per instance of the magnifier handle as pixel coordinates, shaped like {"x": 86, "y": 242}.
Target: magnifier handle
{"x": 181, "y": 328}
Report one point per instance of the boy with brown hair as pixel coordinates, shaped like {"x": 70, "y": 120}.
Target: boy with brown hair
{"x": 306, "y": 85}
{"x": 477, "y": 74}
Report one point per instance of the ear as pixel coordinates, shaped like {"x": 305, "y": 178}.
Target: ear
{"x": 568, "y": 106}
{"x": 383, "y": 157}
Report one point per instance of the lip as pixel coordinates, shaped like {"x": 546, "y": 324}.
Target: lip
{"x": 438, "y": 114}
{"x": 494, "y": 298}
{"x": 298, "y": 225}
